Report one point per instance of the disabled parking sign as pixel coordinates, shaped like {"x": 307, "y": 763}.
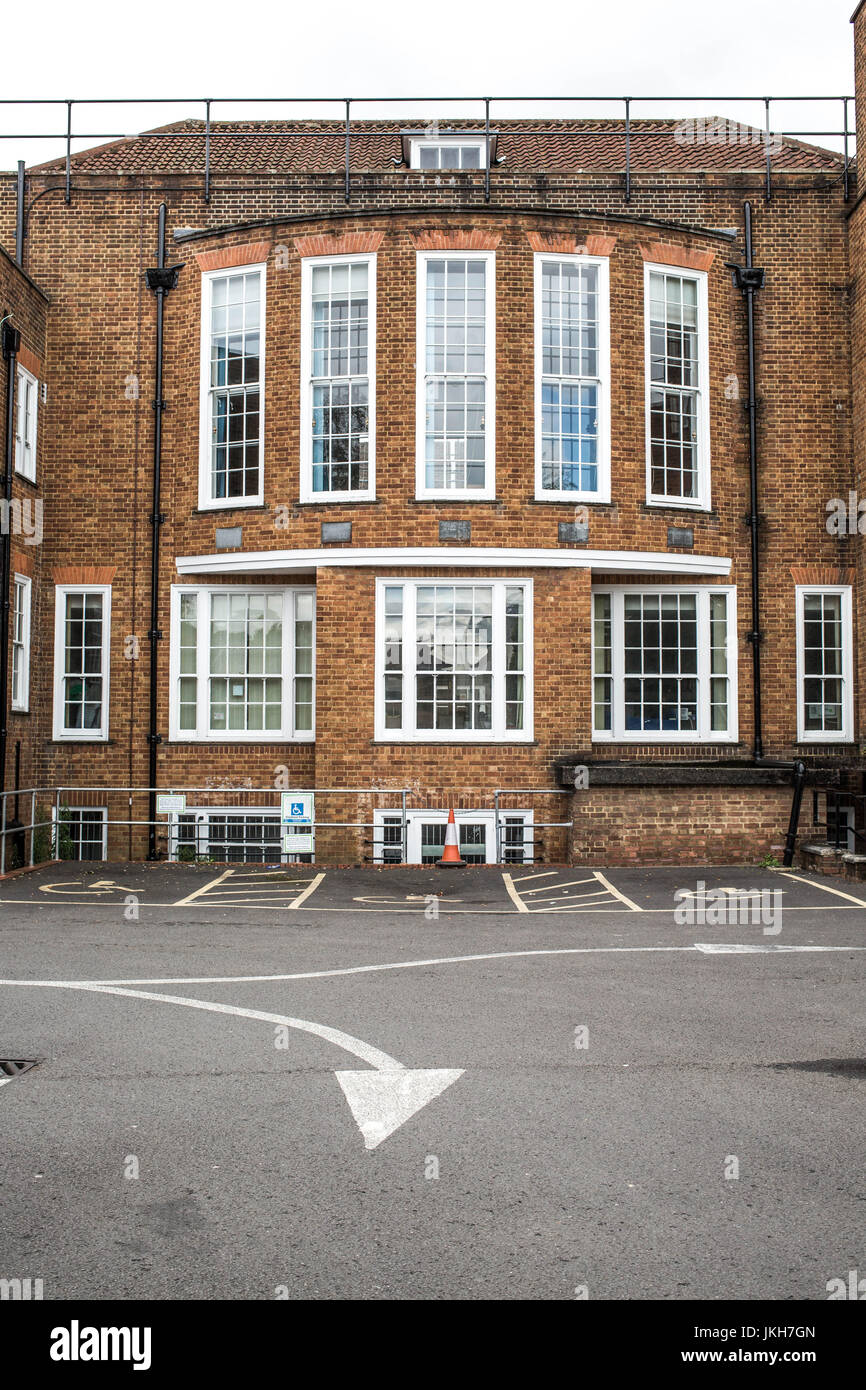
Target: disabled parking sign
{"x": 296, "y": 808}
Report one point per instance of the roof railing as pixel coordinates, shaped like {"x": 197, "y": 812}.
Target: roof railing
{"x": 345, "y": 104}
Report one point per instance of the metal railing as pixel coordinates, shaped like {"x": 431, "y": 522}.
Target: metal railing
{"x": 244, "y": 824}
{"x": 844, "y": 822}
{"x": 204, "y": 108}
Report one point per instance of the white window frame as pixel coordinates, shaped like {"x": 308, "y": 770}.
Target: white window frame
{"x": 21, "y": 698}
{"x": 498, "y": 733}
{"x": 488, "y": 818}
{"x": 201, "y": 733}
{"x": 420, "y": 142}
{"x": 55, "y": 835}
{"x": 26, "y": 439}
{"x": 99, "y": 735}
{"x": 702, "y": 502}
{"x": 846, "y": 734}
{"x": 704, "y": 733}
{"x": 307, "y": 494}
{"x": 602, "y": 493}
{"x": 206, "y": 501}
{"x": 488, "y": 492}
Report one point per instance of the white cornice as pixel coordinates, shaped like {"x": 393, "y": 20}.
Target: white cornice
{"x": 449, "y": 557}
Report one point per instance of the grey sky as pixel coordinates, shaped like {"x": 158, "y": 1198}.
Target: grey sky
{"x": 676, "y": 46}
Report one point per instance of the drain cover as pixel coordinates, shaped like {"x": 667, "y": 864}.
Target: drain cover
{"x": 14, "y": 1067}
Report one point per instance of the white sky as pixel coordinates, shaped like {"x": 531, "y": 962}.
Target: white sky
{"x": 453, "y": 47}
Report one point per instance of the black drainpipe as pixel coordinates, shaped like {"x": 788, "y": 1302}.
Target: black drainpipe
{"x": 161, "y": 279}
{"x": 750, "y": 279}
{"x": 11, "y": 342}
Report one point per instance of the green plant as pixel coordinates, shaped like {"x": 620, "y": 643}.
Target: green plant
{"x": 769, "y": 861}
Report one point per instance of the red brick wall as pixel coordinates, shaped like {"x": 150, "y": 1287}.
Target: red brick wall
{"x": 679, "y": 825}
{"x": 96, "y": 455}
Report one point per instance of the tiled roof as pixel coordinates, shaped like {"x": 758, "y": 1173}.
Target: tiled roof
{"x": 299, "y": 147}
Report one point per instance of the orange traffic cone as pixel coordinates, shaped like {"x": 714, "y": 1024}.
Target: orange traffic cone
{"x": 451, "y": 854}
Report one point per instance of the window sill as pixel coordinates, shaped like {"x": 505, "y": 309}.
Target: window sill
{"x": 455, "y": 501}
{"x": 23, "y": 478}
{"x": 338, "y": 502}
{"x": 453, "y": 742}
{"x": 577, "y": 501}
{"x": 678, "y": 507}
{"x": 64, "y": 742}
{"x": 220, "y": 508}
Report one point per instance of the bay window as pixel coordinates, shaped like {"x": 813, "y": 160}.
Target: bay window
{"x": 454, "y": 660}
{"x": 677, "y": 403}
{"x": 455, "y": 375}
{"x": 572, "y": 378}
{"x": 232, "y": 407}
{"x": 242, "y": 663}
{"x": 664, "y": 664}
{"x": 338, "y": 382}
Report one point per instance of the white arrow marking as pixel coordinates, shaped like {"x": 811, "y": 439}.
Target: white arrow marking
{"x": 382, "y": 1101}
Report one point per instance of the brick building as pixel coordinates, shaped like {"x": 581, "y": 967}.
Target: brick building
{"x": 454, "y": 499}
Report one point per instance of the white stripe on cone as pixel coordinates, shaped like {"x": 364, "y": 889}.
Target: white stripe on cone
{"x": 451, "y": 854}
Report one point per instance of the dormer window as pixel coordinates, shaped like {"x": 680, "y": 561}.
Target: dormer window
{"x": 429, "y": 149}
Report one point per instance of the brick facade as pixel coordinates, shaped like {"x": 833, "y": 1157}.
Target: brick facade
{"x": 93, "y": 339}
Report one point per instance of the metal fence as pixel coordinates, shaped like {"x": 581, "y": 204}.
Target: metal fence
{"x": 228, "y": 824}
{"x": 204, "y": 109}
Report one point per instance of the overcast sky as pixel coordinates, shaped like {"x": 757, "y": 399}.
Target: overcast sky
{"x": 453, "y": 47}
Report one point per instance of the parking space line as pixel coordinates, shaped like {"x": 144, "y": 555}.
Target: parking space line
{"x": 616, "y": 893}
{"x": 545, "y": 888}
{"x": 308, "y": 891}
{"x": 837, "y": 892}
{"x": 182, "y": 902}
{"x": 513, "y": 893}
{"x": 526, "y": 878}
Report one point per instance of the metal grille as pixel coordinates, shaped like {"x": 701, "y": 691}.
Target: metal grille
{"x": 8, "y": 1067}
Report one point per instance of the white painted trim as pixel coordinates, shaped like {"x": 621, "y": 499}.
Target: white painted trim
{"x": 415, "y": 817}
{"x": 498, "y": 733}
{"x": 55, "y": 836}
{"x": 488, "y": 492}
{"x": 60, "y": 592}
{"x": 30, "y": 421}
{"x": 22, "y": 706}
{"x": 847, "y": 733}
{"x": 202, "y": 734}
{"x": 205, "y": 501}
{"x": 704, "y": 734}
{"x": 478, "y": 557}
{"x": 602, "y": 494}
{"x": 307, "y": 494}
{"x": 419, "y": 142}
{"x": 702, "y": 502}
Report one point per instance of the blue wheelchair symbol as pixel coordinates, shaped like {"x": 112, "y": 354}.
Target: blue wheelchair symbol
{"x": 297, "y": 810}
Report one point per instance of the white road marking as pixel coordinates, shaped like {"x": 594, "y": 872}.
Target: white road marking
{"x": 546, "y": 887}
{"x": 513, "y": 893}
{"x": 308, "y": 892}
{"x": 182, "y": 902}
{"x": 380, "y": 1100}
{"x": 837, "y": 892}
{"x": 616, "y": 893}
{"x": 529, "y": 878}
{"x": 714, "y": 948}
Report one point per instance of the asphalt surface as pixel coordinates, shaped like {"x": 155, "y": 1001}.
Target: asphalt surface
{"x": 559, "y": 1165}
